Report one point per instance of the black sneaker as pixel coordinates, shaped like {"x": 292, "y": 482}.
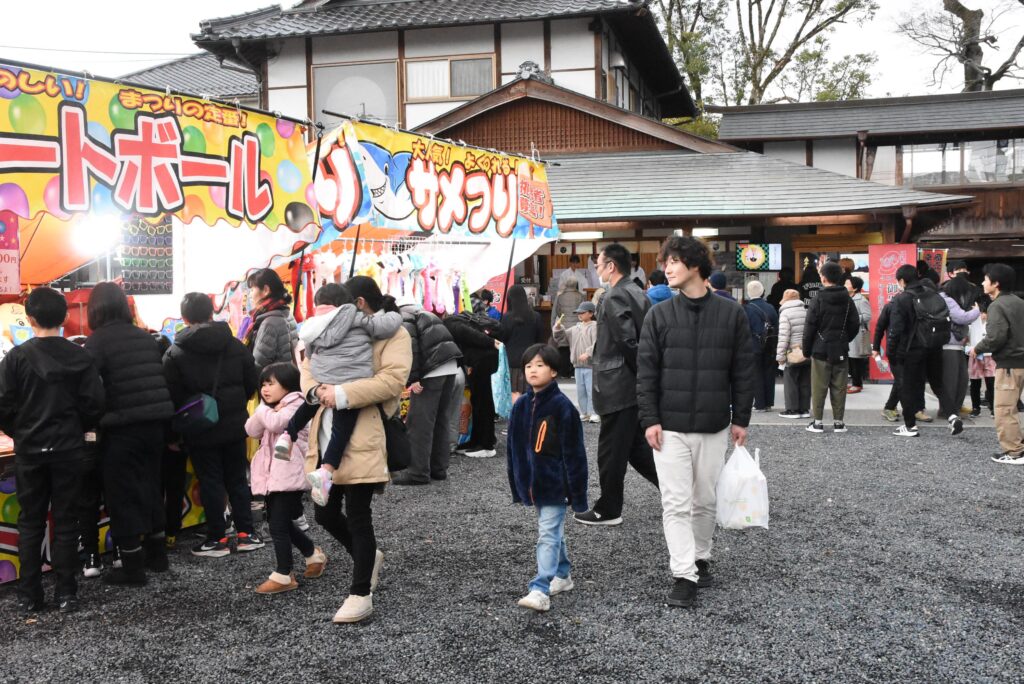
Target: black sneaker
{"x": 816, "y": 426}
{"x": 975, "y": 412}
{"x": 956, "y": 426}
{"x": 592, "y": 517}
{"x": 704, "y": 577}
{"x": 27, "y": 605}
{"x": 212, "y": 548}
{"x": 838, "y": 426}
{"x": 789, "y": 414}
{"x": 682, "y": 594}
{"x": 249, "y": 542}
{"x": 67, "y": 604}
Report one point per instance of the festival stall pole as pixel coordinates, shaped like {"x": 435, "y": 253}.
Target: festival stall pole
{"x": 95, "y": 169}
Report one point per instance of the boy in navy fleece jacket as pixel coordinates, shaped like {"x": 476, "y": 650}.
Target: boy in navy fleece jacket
{"x": 547, "y": 468}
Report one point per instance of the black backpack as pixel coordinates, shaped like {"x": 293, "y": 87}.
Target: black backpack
{"x": 932, "y": 325}
{"x": 769, "y": 336}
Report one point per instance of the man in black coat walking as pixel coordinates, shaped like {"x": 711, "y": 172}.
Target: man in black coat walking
{"x": 619, "y": 319}
{"x": 206, "y": 358}
{"x": 695, "y": 385}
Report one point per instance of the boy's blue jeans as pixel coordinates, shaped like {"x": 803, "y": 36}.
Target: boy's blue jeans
{"x": 584, "y": 387}
{"x": 552, "y": 554}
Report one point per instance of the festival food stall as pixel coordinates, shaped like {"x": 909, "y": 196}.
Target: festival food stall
{"x": 92, "y": 169}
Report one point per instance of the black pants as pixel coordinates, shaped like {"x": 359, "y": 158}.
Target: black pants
{"x": 621, "y": 443}
{"x": 567, "y": 370}
{"x": 173, "y": 474}
{"x": 53, "y": 485}
{"x": 130, "y": 460}
{"x": 342, "y": 427}
{"x": 482, "y": 432}
{"x": 353, "y": 528}
{"x": 990, "y": 393}
{"x": 221, "y": 470}
{"x": 282, "y": 508}
{"x": 858, "y": 371}
{"x": 896, "y": 367}
{"x": 932, "y": 373}
{"x": 428, "y": 428}
{"x": 90, "y": 497}
{"x": 954, "y": 382}
{"x": 796, "y": 385}
{"x": 915, "y": 371}
{"x": 764, "y": 378}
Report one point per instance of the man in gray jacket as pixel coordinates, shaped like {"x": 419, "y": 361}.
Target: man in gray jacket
{"x": 1004, "y": 340}
{"x": 619, "y": 319}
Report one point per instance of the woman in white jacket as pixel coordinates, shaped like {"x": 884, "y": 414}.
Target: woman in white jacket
{"x": 797, "y": 376}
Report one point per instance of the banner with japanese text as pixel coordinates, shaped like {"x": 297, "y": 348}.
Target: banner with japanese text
{"x": 71, "y": 146}
{"x": 883, "y": 262}
{"x": 402, "y": 181}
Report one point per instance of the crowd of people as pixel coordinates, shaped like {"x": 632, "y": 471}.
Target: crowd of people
{"x": 671, "y": 374}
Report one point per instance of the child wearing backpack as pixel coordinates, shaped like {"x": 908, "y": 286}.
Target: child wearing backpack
{"x": 50, "y": 396}
{"x": 547, "y": 469}
{"x": 282, "y": 481}
{"x": 338, "y": 343}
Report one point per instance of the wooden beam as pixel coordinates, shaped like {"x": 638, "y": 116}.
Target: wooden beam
{"x": 311, "y": 134}
{"x": 547, "y": 45}
{"x": 869, "y": 161}
{"x": 909, "y": 212}
{"x": 808, "y": 152}
{"x": 497, "y": 53}
{"x": 824, "y": 219}
{"x": 401, "y": 79}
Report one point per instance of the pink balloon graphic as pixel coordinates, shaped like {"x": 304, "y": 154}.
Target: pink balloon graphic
{"x": 285, "y": 128}
{"x": 51, "y": 198}
{"x": 13, "y": 198}
{"x": 218, "y": 194}
{"x": 311, "y": 196}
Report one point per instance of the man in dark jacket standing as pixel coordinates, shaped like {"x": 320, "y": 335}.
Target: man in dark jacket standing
{"x": 619, "y": 319}
{"x": 207, "y": 359}
{"x": 695, "y": 379}
{"x": 1004, "y": 340}
{"x": 480, "y": 360}
{"x": 832, "y": 322}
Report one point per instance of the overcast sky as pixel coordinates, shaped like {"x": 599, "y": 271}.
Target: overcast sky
{"x": 151, "y": 26}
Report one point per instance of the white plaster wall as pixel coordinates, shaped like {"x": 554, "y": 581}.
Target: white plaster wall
{"x": 289, "y": 101}
{"x": 581, "y": 81}
{"x": 363, "y": 47}
{"x": 421, "y": 112}
{"x": 507, "y": 78}
{"x": 839, "y": 156}
{"x": 884, "y": 170}
{"x": 289, "y": 67}
{"x": 572, "y": 45}
{"x": 521, "y": 43}
{"x": 459, "y": 40}
{"x": 793, "y": 151}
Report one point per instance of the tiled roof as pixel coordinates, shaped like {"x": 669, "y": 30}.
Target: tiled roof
{"x": 201, "y": 74}
{"x": 653, "y": 185}
{"x": 360, "y": 16}
{"x": 957, "y": 112}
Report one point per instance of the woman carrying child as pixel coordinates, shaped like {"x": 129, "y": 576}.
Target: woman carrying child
{"x": 282, "y": 480}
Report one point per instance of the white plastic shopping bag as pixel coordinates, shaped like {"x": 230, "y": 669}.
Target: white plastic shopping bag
{"x": 742, "y": 492}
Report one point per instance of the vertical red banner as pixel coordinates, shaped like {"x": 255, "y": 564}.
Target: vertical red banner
{"x": 497, "y": 286}
{"x": 10, "y": 254}
{"x": 883, "y": 262}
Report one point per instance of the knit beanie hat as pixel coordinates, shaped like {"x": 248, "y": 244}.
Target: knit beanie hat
{"x": 754, "y": 289}
{"x": 717, "y": 280}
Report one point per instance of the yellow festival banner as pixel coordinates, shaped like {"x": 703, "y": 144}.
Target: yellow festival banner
{"x": 394, "y": 179}
{"x": 71, "y": 145}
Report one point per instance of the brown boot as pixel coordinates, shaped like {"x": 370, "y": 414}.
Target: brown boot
{"x": 278, "y": 583}
{"x": 315, "y": 564}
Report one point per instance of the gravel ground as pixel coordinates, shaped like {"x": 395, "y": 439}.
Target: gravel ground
{"x": 886, "y": 561}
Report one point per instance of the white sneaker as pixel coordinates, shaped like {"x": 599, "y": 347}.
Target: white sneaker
{"x": 320, "y": 484}
{"x": 301, "y": 523}
{"x": 283, "y": 447}
{"x": 1009, "y": 459}
{"x": 584, "y": 418}
{"x": 354, "y": 609}
{"x": 482, "y": 453}
{"x": 378, "y": 563}
{"x": 903, "y": 431}
{"x": 536, "y": 600}
{"x": 559, "y": 585}
{"x": 595, "y": 418}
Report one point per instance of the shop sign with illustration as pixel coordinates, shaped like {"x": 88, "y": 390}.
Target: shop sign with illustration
{"x": 393, "y": 179}
{"x": 70, "y": 145}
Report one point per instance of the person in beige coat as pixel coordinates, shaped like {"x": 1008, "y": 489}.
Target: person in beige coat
{"x": 364, "y": 465}
{"x": 797, "y": 376}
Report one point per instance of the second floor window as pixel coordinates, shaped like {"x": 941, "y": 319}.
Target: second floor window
{"x": 449, "y": 78}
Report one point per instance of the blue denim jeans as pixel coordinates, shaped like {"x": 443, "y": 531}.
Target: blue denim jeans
{"x": 552, "y": 554}
{"x": 584, "y": 387}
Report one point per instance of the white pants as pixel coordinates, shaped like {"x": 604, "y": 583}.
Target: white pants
{"x": 689, "y": 464}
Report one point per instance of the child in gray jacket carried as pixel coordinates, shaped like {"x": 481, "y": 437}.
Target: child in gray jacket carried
{"x": 338, "y": 343}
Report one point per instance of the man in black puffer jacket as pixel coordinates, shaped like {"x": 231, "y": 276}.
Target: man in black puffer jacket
{"x": 480, "y": 359}
{"x": 206, "y": 356}
{"x": 832, "y": 322}
{"x": 695, "y": 384}
{"x": 435, "y": 361}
